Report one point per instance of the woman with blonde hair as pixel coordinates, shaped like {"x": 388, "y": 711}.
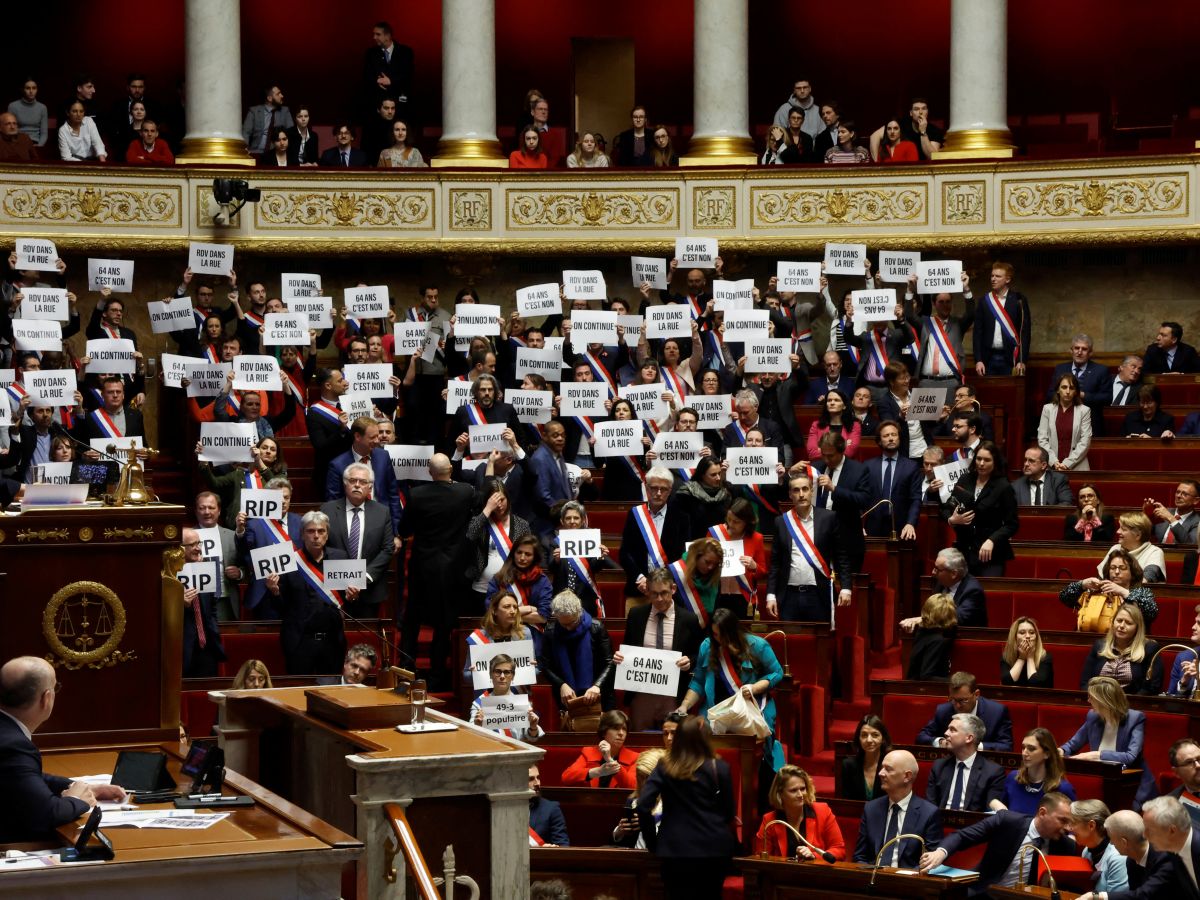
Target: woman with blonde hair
{"x": 1115, "y": 733}
{"x": 628, "y": 831}
{"x": 1087, "y": 826}
{"x": 1025, "y": 662}
{"x": 1040, "y": 773}
{"x": 795, "y": 802}
{"x": 1134, "y": 533}
{"x": 587, "y": 155}
{"x": 252, "y": 676}
{"x": 1124, "y": 654}
{"x": 933, "y": 640}
{"x": 772, "y": 154}
{"x": 698, "y": 576}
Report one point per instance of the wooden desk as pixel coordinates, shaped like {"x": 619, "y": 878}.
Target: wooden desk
{"x": 1029, "y": 892}
{"x": 772, "y": 878}
{"x": 629, "y": 874}
{"x": 273, "y": 849}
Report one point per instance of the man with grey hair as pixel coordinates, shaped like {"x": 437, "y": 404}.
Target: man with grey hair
{"x": 654, "y": 536}
{"x": 366, "y": 446}
{"x": 35, "y": 803}
{"x": 951, "y": 577}
{"x": 1169, "y": 828}
{"x": 359, "y": 663}
{"x": 964, "y": 779}
{"x": 362, "y": 529}
{"x": 569, "y": 630}
{"x": 1092, "y": 376}
{"x": 1122, "y": 389}
{"x": 1151, "y": 873}
{"x": 745, "y": 404}
{"x": 930, "y": 459}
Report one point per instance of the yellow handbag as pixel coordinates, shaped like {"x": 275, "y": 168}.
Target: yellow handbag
{"x": 1096, "y": 611}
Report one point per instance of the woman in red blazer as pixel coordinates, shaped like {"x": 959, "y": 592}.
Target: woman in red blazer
{"x": 609, "y": 763}
{"x": 793, "y": 795}
{"x": 741, "y": 524}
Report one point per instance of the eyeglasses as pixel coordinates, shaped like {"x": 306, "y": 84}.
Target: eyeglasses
{"x": 358, "y": 481}
{"x": 502, "y": 673}
{"x": 1185, "y": 763}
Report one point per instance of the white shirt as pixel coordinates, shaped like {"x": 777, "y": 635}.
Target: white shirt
{"x": 889, "y": 858}
{"x": 998, "y": 331}
{"x": 1012, "y": 874}
{"x": 1108, "y": 741}
{"x": 834, "y": 475}
{"x": 801, "y": 574}
{"x": 659, "y": 519}
{"x": 1185, "y": 854}
{"x": 966, "y": 778}
{"x": 86, "y": 145}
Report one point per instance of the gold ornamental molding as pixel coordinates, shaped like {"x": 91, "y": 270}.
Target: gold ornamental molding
{"x": 93, "y": 205}
{"x": 714, "y": 207}
{"x": 407, "y": 209}
{"x": 774, "y": 207}
{"x": 964, "y": 202}
{"x": 83, "y": 625}
{"x": 144, "y": 533}
{"x": 42, "y": 534}
{"x": 1152, "y": 196}
{"x": 592, "y": 208}
{"x": 470, "y": 209}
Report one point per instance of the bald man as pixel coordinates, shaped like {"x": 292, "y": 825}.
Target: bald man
{"x": 35, "y": 803}
{"x": 898, "y": 812}
{"x": 436, "y": 518}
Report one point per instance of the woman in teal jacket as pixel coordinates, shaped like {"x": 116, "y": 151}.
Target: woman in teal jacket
{"x": 734, "y": 660}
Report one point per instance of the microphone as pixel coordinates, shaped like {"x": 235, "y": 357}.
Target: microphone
{"x": 384, "y": 642}
{"x": 1183, "y": 647}
{"x": 1054, "y": 894}
{"x": 824, "y": 854}
{"x": 891, "y": 512}
{"x": 896, "y": 839}
{"x": 58, "y": 430}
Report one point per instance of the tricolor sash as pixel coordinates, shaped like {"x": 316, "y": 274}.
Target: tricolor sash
{"x": 673, "y": 382}
{"x": 945, "y": 349}
{"x": 914, "y": 342}
{"x": 800, "y": 339}
{"x": 805, "y": 544}
{"x": 656, "y": 556}
{"x": 600, "y": 373}
{"x": 722, "y": 534}
{"x": 878, "y": 350}
{"x": 739, "y": 432}
{"x": 500, "y": 539}
{"x": 756, "y": 494}
{"x": 960, "y": 454}
{"x": 111, "y": 330}
{"x": 1003, "y": 319}
{"x": 96, "y": 395}
{"x": 104, "y": 422}
{"x": 255, "y": 319}
{"x": 16, "y": 392}
{"x": 851, "y": 349}
{"x": 695, "y": 306}
{"x": 534, "y": 839}
{"x": 233, "y": 403}
{"x": 212, "y": 354}
{"x": 316, "y": 578}
{"x": 635, "y": 467}
{"x": 479, "y": 636}
{"x": 254, "y": 480}
{"x": 728, "y": 673}
{"x": 417, "y": 315}
{"x": 691, "y": 596}
{"x": 475, "y": 414}
{"x": 583, "y": 572}
{"x": 328, "y": 410}
{"x": 586, "y": 425}
{"x": 520, "y": 342}
{"x": 295, "y": 383}
{"x": 276, "y": 531}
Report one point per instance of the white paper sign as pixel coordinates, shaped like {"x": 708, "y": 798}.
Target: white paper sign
{"x": 6, "y": 412}
{"x": 592, "y": 327}
{"x": 730, "y": 295}
{"x": 202, "y": 576}
{"x": 274, "y": 559}
{"x": 228, "y": 442}
{"x": 36, "y": 254}
{"x": 119, "y": 444}
{"x": 410, "y": 462}
{"x": 533, "y": 407}
{"x": 367, "y": 302}
{"x": 874, "y": 306}
{"x": 615, "y": 438}
{"x": 845, "y": 259}
{"x": 356, "y": 405}
{"x": 648, "y": 671}
{"x": 7, "y": 377}
{"x": 633, "y": 329}
{"x": 476, "y": 320}
{"x": 949, "y": 474}
{"x": 558, "y": 345}
{"x": 584, "y": 284}
{"x": 646, "y": 400}
{"x": 111, "y": 356}
{"x": 409, "y": 337}
{"x": 579, "y": 543}
{"x": 51, "y": 472}
{"x": 345, "y": 573}
{"x": 896, "y": 265}
{"x": 752, "y": 465}
{"x": 51, "y": 387}
{"x": 583, "y": 398}
{"x": 318, "y": 311}
{"x": 210, "y": 543}
{"x": 38, "y": 336}
{"x": 697, "y": 253}
{"x": 547, "y": 363}
{"x": 803, "y": 278}
{"x": 256, "y": 373}
{"x": 46, "y": 304}
{"x": 769, "y": 355}
{"x": 371, "y": 379}
{"x": 210, "y": 259}
{"x": 485, "y": 438}
{"x": 524, "y": 662}
{"x": 925, "y": 404}
{"x": 175, "y": 368}
{"x": 207, "y": 379}
{"x": 714, "y": 410}
{"x": 262, "y": 503}
{"x": 539, "y": 300}
{"x": 743, "y": 325}
{"x": 678, "y": 449}
{"x": 116, "y": 274}
{"x": 458, "y": 395}
{"x": 649, "y": 269}
{"x": 731, "y": 558}
{"x": 941, "y": 277}
{"x": 509, "y": 711}
{"x": 671, "y": 320}
{"x": 299, "y": 284}
{"x": 171, "y": 314}
{"x": 287, "y": 329}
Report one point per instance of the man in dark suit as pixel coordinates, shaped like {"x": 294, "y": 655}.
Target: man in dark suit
{"x": 819, "y": 387}
{"x": 1184, "y": 757}
{"x": 1006, "y": 861}
{"x": 670, "y": 526}
{"x": 1122, "y": 389}
{"x": 844, "y": 487}
{"x": 486, "y": 405}
{"x": 665, "y": 625}
{"x": 734, "y": 434}
{"x": 777, "y": 399}
{"x": 343, "y": 155}
{"x": 35, "y": 803}
{"x": 965, "y": 779}
{"x": 29, "y": 445}
{"x": 800, "y": 586}
{"x": 964, "y": 698}
{"x": 366, "y": 447}
{"x": 369, "y": 538}
{"x": 898, "y": 812}
{"x": 108, "y": 321}
{"x": 893, "y": 477}
{"x": 1152, "y": 873}
{"x": 311, "y": 633}
{"x": 1092, "y": 376}
{"x": 1002, "y": 327}
{"x": 436, "y": 518}
{"x": 950, "y": 573}
{"x": 360, "y": 662}
{"x": 965, "y": 401}
{"x": 202, "y": 649}
{"x": 114, "y": 418}
{"x": 326, "y": 423}
{"x": 1169, "y": 828}
{"x": 545, "y": 816}
{"x": 940, "y": 362}
{"x": 507, "y": 467}
{"x": 1169, "y": 353}
{"x": 893, "y": 336}
{"x": 1040, "y": 485}
{"x": 549, "y": 470}
{"x": 1178, "y": 525}
{"x": 387, "y": 72}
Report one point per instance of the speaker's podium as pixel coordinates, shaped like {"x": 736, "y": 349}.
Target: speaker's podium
{"x": 773, "y": 877}
{"x": 83, "y": 587}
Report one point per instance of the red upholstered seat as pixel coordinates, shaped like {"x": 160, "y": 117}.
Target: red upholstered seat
{"x": 907, "y": 715}
{"x": 198, "y": 713}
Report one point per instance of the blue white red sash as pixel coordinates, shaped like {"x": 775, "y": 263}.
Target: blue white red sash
{"x": 1003, "y": 319}
{"x": 756, "y": 494}
{"x": 728, "y": 673}
{"x": 739, "y": 432}
{"x": 479, "y": 636}
{"x": 535, "y": 839}
{"x": 656, "y": 556}
{"x": 800, "y": 339}
{"x": 211, "y": 354}
{"x": 475, "y": 414}
{"x": 586, "y": 425}
{"x": 960, "y": 454}
{"x": 233, "y": 403}
{"x": 295, "y": 384}
{"x": 712, "y": 342}
{"x": 684, "y": 474}
{"x": 583, "y": 571}
{"x": 721, "y": 534}
{"x": 104, "y": 422}
{"x": 878, "y": 350}
{"x": 673, "y": 382}
{"x": 600, "y": 373}
{"x": 64, "y": 416}
{"x": 417, "y": 315}
{"x": 255, "y": 319}
{"x": 678, "y": 570}
{"x": 520, "y": 342}
{"x": 254, "y": 480}
{"x": 695, "y": 307}
{"x": 805, "y": 544}
{"x": 316, "y": 578}
{"x": 111, "y": 330}
{"x": 277, "y": 531}
{"x": 97, "y": 397}
{"x": 851, "y": 349}
{"x": 328, "y": 410}
{"x": 17, "y": 392}
{"x": 523, "y": 594}
{"x": 500, "y": 539}
{"x": 945, "y": 349}
{"x": 914, "y": 342}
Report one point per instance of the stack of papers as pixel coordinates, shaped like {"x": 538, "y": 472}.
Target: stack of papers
{"x": 182, "y": 819}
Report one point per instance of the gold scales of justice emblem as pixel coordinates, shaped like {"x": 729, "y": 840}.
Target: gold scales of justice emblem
{"x": 83, "y": 625}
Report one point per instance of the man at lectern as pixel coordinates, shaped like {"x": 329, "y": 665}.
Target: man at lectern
{"x": 35, "y": 803}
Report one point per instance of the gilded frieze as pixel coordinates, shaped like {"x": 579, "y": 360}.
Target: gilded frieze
{"x": 714, "y": 207}
{"x": 92, "y": 205}
{"x": 964, "y": 203}
{"x": 1096, "y": 197}
{"x": 594, "y": 208}
{"x": 410, "y": 209}
{"x": 771, "y": 207}
{"x": 470, "y": 210}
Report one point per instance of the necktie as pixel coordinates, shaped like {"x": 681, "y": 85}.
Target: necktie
{"x": 659, "y": 619}
{"x": 1078, "y": 373}
{"x": 893, "y": 829}
{"x": 887, "y": 476}
{"x": 346, "y": 158}
{"x": 1169, "y": 535}
{"x": 1037, "y": 493}
{"x": 1121, "y": 394}
{"x": 201, "y": 637}
{"x": 956, "y": 792}
{"x": 1040, "y": 843}
{"x": 355, "y": 531}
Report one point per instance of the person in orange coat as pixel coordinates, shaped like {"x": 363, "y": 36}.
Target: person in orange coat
{"x": 609, "y": 763}
{"x": 792, "y": 794}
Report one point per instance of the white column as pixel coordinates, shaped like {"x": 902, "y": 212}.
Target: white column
{"x": 721, "y": 104}
{"x": 978, "y": 80}
{"x": 213, "y": 38}
{"x": 469, "y": 86}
